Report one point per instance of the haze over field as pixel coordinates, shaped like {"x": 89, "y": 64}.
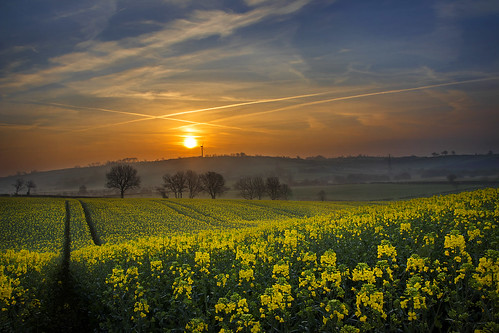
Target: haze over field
{"x": 101, "y": 80}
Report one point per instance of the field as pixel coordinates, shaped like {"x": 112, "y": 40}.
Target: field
{"x": 428, "y": 264}
{"x": 382, "y": 191}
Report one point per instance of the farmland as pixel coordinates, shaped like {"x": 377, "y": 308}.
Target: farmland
{"x": 235, "y": 265}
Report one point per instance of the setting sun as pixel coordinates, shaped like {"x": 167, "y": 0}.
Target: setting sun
{"x": 190, "y": 142}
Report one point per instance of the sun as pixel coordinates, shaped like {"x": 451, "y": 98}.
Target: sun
{"x": 190, "y": 142}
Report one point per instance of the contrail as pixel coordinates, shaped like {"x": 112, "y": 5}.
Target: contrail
{"x": 66, "y": 106}
{"x": 144, "y": 117}
{"x": 171, "y": 115}
{"x": 261, "y": 101}
{"x": 327, "y": 100}
{"x": 396, "y": 91}
{"x": 387, "y": 92}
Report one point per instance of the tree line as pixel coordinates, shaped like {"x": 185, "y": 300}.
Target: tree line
{"x": 21, "y": 184}
{"x": 256, "y": 188}
{"x": 124, "y": 177}
{"x": 189, "y": 181}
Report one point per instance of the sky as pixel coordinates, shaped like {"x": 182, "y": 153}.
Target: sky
{"x": 98, "y": 80}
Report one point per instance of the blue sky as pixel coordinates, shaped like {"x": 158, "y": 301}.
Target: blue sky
{"x": 87, "y": 81}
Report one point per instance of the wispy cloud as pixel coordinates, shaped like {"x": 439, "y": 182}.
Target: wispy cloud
{"x": 459, "y": 9}
{"x": 96, "y": 56}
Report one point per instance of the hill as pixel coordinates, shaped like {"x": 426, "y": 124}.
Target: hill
{"x": 299, "y": 173}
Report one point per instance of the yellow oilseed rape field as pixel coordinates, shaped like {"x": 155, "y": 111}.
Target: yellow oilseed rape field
{"x": 255, "y": 266}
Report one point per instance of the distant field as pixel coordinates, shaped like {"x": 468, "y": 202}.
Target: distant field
{"x": 374, "y": 192}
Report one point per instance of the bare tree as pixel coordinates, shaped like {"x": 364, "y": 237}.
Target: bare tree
{"x": 163, "y": 191}
{"x": 273, "y": 187}
{"x": 169, "y": 185}
{"x": 259, "y": 187}
{"x": 30, "y": 184}
{"x": 82, "y": 190}
{"x": 245, "y": 187}
{"x": 322, "y": 195}
{"x": 451, "y": 178}
{"x": 251, "y": 187}
{"x": 18, "y": 185}
{"x": 193, "y": 183}
{"x": 123, "y": 177}
{"x": 213, "y": 183}
{"x": 176, "y": 183}
{"x": 284, "y": 191}
{"x": 276, "y": 190}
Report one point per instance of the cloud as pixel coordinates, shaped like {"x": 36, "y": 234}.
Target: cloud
{"x": 98, "y": 57}
{"x": 93, "y": 19}
{"x": 459, "y": 9}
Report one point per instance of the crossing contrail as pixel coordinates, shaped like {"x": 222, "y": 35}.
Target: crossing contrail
{"x": 172, "y": 116}
{"x": 142, "y": 115}
{"x": 329, "y": 100}
{"x": 325, "y": 100}
{"x": 173, "y": 119}
{"x": 261, "y": 101}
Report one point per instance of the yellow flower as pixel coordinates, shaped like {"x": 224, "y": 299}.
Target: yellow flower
{"x": 387, "y": 249}
{"x": 405, "y": 227}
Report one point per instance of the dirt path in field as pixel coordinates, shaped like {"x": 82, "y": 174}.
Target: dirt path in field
{"x": 90, "y": 223}
{"x": 66, "y": 309}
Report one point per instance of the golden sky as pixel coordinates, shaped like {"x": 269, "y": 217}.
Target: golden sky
{"x": 93, "y": 81}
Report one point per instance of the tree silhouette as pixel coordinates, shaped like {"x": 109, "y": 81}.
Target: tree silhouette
{"x": 193, "y": 183}
{"x": 176, "y": 183}
{"x": 273, "y": 187}
{"x": 259, "y": 187}
{"x": 30, "y": 184}
{"x": 451, "y": 178}
{"x": 285, "y": 191}
{"x": 245, "y": 187}
{"x": 82, "y": 190}
{"x": 163, "y": 191}
{"x": 18, "y": 185}
{"x": 122, "y": 177}
{"x": 251, "y": 187}
{"x": 322, "y": 195}
{"x": 276, "y": 190}
{"x": 213, "y": 183}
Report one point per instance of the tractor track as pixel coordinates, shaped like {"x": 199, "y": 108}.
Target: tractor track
{"x": 90, "y": 223}
{"x": 66, "y": 308}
